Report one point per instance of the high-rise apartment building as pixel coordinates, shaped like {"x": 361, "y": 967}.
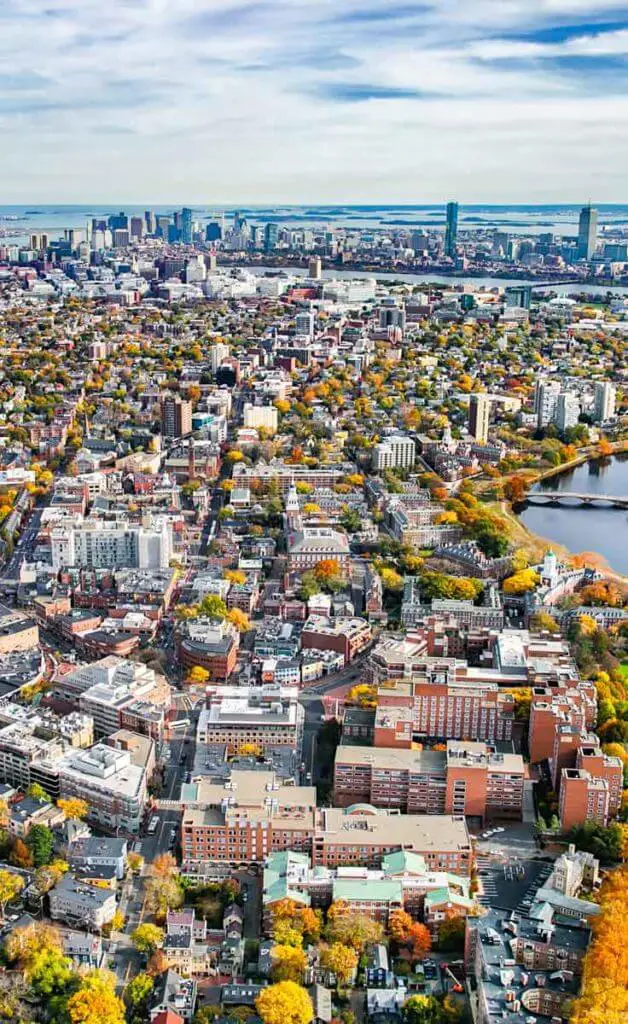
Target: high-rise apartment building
{"x": 393, "y": 451}
{"x": 545, "y": 401}
{"x": 479, "y": 408}
{"x": 587, "y": 232}
{"x": 567, "y": 410}
{"x": 605, "y": 395}
{"x": 176, "y": 417}
{"x": 451, "y": 229}
{"x": 150, "y": 221}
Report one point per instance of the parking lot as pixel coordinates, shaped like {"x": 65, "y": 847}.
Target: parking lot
{"x": 509, "y": 883}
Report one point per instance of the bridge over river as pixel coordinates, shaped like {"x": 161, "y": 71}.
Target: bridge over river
{"x": 576, "y": 498}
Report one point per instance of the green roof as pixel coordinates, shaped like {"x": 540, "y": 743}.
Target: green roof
{"x": 437, "y": 896}
{"x": 404, "y": 861}
{"x": 354, "y": 890}
{"x": 277, "y": 885}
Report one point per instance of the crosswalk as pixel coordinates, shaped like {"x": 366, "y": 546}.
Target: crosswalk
{"x": 487, "y": 892}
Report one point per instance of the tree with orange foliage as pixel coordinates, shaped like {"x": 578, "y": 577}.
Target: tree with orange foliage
{"x": 515, "y": 489}
{"x": 399, "y": 925}
{"x": 604, "y": 448}
{"x": 419, "y": 940}
{"x": 604, "y": 995}
{"x": 164, "y": 866}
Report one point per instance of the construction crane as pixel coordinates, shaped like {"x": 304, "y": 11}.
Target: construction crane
{"x": 457, "y": 986}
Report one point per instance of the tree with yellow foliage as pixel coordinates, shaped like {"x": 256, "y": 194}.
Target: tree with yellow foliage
{"x": 74, "y": 808}
{"x": 521, "y": 582}
{"x": 604, "y": 995}
{"x": 289, "y": 963}
{"x": 96, "y": 1002}
{"x": 239, "y": 619}
{"x": 311, "y": 508}
{"x": 235, "y": 576}
{"x": 284, "y": 1003}
{"x": 341, "y": 960}
{"x": 197, "y": 675}
{"x": 10, "y": 886}
{"x": 362, "y": 694}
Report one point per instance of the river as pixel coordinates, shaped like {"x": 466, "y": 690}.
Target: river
{"x": 604, "y": 530}
{"x": 449, "y": 280}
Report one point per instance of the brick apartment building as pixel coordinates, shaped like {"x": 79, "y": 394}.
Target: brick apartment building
{"x": 446, "y": 707}
{"x": 252, "y": 815}
{"x": 467, "y": 778}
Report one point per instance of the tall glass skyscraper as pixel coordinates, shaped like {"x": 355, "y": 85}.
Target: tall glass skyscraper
{"x": 587, "y": 232}
{"x": 451, "y": 229}
{"x": 186, "y": 226}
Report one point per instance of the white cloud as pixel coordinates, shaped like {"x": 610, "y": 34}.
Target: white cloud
{"x": 237, "y": 100}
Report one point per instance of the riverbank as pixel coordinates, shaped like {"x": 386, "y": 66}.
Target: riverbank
{"x": 596, "y": 532}
{"x": 438, "y": 276}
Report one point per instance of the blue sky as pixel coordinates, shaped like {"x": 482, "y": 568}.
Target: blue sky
{"x": 224, "y": 101}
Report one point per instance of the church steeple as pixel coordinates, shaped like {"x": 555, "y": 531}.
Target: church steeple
{"x": 292, "y": 515}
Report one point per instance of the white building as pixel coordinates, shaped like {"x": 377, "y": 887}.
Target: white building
{"x": 101, "y": 545}
{"x": 216, "y": 355}
{"x": 397, "y": 450}
{"x": 261, "y": 416}
{"x": 567, "y": 410}
{"x": 545, "y": 401}
{"x": 113, "y": 786}
{"x": 81, "y": 903}
{"x": 605, "y": 395}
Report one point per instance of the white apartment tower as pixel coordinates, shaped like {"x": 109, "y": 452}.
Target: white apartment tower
{"x": 605, "y": 395}
{"x": 398, "y": 450}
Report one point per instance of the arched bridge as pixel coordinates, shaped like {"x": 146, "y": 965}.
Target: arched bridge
{"x": 576, "y": 498}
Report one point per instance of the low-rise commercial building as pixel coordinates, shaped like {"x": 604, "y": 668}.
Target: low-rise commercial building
{"x": 257, "y": 718}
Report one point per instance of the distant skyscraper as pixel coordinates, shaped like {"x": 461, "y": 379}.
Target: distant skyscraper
{"x": 118, "y": 221}
{"x": 587, "y": 232}
{"x": 213, "y": 232}
{"x": 186, "y": 226}
{"x": 137, "y": 227}
{"x": 479, "y": 407}
{"x": 315, "y": 268}
{"x": 451, "y": 229}
{"x": 150, "y": 221}
{"x": 271, "y": 236}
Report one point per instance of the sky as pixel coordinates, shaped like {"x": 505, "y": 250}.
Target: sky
{"x": 313, "y": 101}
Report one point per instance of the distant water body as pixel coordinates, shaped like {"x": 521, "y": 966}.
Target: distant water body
{"x": 528, "y": 219}
{"x": 592, "y": 528}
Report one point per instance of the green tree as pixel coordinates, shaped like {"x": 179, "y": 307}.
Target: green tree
{"x": 40, "y": 842}
{"x": 147, "y": 937}
{"x": 138, "y": 990}
{"x": 213, "y": 607}
{"x": 50, "y": 972}
{"x": 38, "y": 792}
{"x": 422, "y": 1010}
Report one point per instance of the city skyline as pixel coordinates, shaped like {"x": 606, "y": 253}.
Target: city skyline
{"x": 356, "y": 103}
